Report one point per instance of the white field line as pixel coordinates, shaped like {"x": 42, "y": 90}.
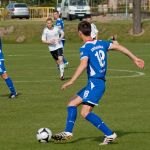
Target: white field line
{"x": 135, "y": 74}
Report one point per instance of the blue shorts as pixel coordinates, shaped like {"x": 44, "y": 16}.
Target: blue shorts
{"x": 93, "y": 92}
{"x": 2, "y": 67}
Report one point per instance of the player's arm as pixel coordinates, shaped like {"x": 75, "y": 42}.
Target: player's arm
{"x": 139, "y": 62}
{"x": 78, "y": 72}
{"x": 96, "y": 31}
{"x": 97, "y": 36}
{"x": 0, "y": 43}
{"x": 61, "y": 34}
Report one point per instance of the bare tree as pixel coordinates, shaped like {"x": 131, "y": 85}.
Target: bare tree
{"x": 137, "y": 28}
{"x": 113, "y": 4}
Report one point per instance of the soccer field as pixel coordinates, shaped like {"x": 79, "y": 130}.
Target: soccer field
{"x": 125, "y": 107}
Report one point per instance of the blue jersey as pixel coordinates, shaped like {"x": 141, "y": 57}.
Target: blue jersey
{"x": 96, "y": 51}
{"x": 1, "y": 53}
{"x": 60, "y": 23}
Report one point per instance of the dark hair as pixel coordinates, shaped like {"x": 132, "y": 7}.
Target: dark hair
{"x": 55, "y": 11}
{"x": 85, "y": 28}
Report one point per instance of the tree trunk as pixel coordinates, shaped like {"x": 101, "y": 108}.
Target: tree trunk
{"x": 39, "y": 2}
{"x": 113, "y": 4}
{"x": 137, "y": 28}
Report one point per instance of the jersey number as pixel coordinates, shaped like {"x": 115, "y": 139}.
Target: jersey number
{"x": 101, "y": 58}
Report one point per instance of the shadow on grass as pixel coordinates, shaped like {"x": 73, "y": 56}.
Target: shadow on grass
{"x": 124, "y": 133}
{"x": 100, "y": 138}
{"x": 7, "y": 95}
{"x": 87, "y": 138}
{"x": 67, "y": 78}
{"x": 80, "y": 139}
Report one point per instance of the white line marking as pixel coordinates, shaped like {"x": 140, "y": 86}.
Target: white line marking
{"x": 136, "y": 74}
{"x": 27, "y": 55}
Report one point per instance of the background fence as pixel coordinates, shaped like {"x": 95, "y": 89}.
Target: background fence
{"x": 41, "y": 12}
{"x": 102, "y": 9}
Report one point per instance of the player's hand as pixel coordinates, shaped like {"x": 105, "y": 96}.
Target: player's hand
{"x": 67, "y": 84}
{"x": 52, "y": 42}
{"x": 57, "y": 41}
{"x": 139, "y": 63}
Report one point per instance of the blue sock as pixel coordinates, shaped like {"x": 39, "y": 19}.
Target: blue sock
{"x": 10, "y": 85}
{"x": 98, "y": 123}
{"x": 64, "y": 60}
{"x": 72, "y": 115}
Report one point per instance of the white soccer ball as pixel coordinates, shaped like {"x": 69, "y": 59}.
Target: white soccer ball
{"x": 44, "y": 135}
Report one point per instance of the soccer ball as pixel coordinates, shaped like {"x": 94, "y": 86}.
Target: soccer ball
{"x": 44, "y": 135}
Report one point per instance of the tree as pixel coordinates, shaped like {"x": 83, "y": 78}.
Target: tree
{"x": 137, "y": 28}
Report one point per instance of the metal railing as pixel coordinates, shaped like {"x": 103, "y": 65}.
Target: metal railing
{"x": 41, "y": 12}
{"x": 45, "y": 12}
{"x": 3, "y": 13}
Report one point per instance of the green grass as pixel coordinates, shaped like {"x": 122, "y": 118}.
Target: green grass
{"x": 32, "y": 30}
{"x": 41, "y": 103}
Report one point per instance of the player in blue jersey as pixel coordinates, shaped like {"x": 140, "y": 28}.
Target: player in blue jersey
{"x": 60, "y": 24}
{"x": 93, "y": 58}
{"x": 5, "y": 76}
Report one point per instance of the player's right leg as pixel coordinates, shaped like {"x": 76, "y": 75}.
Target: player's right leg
{"x": 71, "y": 118}
{"x": 8, "y": 80}
{"x": 58, "y": 57}
{"x": 64, "y": 59}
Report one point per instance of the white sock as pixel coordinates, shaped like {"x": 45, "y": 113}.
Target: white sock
{"x": 61, "y": 68}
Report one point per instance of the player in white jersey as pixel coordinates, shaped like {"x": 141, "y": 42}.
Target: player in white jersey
{"x": 52, "y": 35}
{"x": 94, "y": 30}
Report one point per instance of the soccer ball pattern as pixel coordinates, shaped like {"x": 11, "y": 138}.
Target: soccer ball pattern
{"x": 44, "y": 135}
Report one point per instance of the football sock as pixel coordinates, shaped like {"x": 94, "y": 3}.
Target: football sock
{"x": 61, "y": 68}
{"x": 98, "y": 123}
{"x": 64, "y": 60}
{"x": 72, "y": 115}
{"x": 10, "y": 85}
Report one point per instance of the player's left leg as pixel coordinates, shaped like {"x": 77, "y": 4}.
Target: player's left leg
{"x": 61, "y": 64}
{"x": 61, "y": 67}
{"x": 8, "y": 80}
{"x": 87, "y": 113}
{"x": 10, "y": 85}
{"x": 70, "y": 122}
{"x": 91, "y": 97}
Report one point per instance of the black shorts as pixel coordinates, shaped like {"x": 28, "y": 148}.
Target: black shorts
{"x": 89, "y": 104}
{"x": 57, "y": 53}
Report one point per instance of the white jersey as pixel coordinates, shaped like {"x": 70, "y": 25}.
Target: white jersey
{"x": 94, "y": 30}
{"x": 52, "y": 34}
